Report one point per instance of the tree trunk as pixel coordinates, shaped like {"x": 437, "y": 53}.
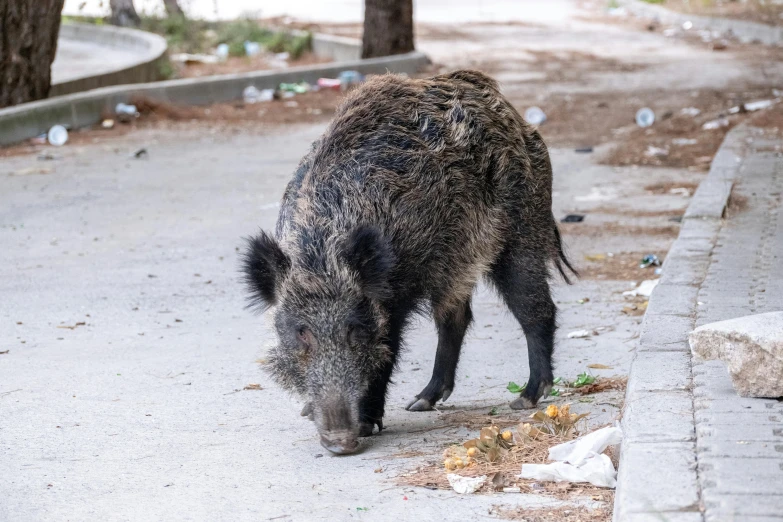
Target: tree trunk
{"x": 28, "y": 43}
{"x": 388, "y": 27}
{"x": 173, "y": 8}
{"x": 123, "y": 13}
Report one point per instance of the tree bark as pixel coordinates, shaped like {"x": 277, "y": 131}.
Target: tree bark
{"x": 123, "y": 13}
{"x": 28, "y": 43}
{"x": 388, "y": 27}
{"x": 173, "y": 8}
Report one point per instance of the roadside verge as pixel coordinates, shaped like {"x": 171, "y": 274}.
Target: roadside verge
{"x": 658, "y": 473}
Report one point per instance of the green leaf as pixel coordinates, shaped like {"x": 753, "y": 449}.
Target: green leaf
{"x": 554, "y": 392}
{"x": 515, "y": 388}
{"x": 583, "y": 379}
{"x": 557, "y": 381}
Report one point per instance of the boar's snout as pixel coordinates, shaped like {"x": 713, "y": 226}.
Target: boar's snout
{"x": 338, "y": 426}
{"x": 340, "y": 442}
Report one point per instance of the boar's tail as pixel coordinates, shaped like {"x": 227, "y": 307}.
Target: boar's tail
{"x": 561, "y": 261}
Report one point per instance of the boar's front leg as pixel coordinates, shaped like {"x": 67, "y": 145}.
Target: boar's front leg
{"x": 452, "y": 325}
{"x": 374, "y": 404}
{"x": 521, "y": 278}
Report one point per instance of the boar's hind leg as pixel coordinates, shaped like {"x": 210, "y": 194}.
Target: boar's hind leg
{"x": 452, "y": 326}
{"x": 522, "y": 280}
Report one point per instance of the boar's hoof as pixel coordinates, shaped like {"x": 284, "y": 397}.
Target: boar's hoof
{"x": 366, "y": 428}
{"x": 419, "y": 405}
{"x": 307, "y": 411}
{"x": 522, "y": 403}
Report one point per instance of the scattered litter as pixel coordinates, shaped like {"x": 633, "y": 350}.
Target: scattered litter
{"x": 222, "y": 51}
{"x": 72, "y": 327}
{"x": 580, "y": 460}
{"x": 635, "y": 309}
{"x": 584, "y": 150}
{"x": 645, "y": 117}
{"x": 599, "y": 367}
{"x": 32, "y": 170}
{"x": 535, "y": 116}
{"x": 758, "y": 105}
{"x": 465, "y": 485}
{"x": 329, "y": 83}
{"x": 252, "y": 48}
{"x": 645, "y": 289}
{"x": 126, "y": 112}
{"x": 680, "y": 191}
{"x": 296, "y": 88}
{"x": 140, "y": 153}
{"x": 253, "y": 387}
{"x": 690, "y": 111}
{"x": 57, "y": 136}
{"x": 584, "y": 300}
{"x": 252, "y": 95}
{"x": 582, "y": 334}
{"x": 573, "y": 218}
{"x": 684, "y": 141}
{"x": 512, "y": 490}
{"x": 649, "y": 260}
{"x": 350, "y": 78}
{"x": 716, "y": 124}
{"x": 687, "y": 25}
{"x": 107, "y": 124}
{"x": 658, "y": 271}
{"x": 189, "y": 59}
{"x": 656, "y": 152}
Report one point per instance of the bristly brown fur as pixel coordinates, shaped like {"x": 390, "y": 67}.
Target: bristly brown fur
{"x": 416, "y": 190}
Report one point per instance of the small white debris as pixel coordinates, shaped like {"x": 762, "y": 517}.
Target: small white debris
{"x": 465, "y": 485}
{"x": 645, "y": 289}
{"x": 680, "y": 191}
{"x": 716, "y": 124}
{"x": 684, "y": 141}
{"x": 656, "y": 152}
{"x": 690, "y": 111}
{"x": 582, "y": 334}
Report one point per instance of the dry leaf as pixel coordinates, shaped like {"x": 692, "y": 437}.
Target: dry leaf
{"x": 599, "y": 366}
{"x": 253, "y": 387}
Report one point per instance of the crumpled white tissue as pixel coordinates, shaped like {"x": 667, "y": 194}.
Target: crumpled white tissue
{"x": 465, "y": 485}
{"x": 580, "y": 460}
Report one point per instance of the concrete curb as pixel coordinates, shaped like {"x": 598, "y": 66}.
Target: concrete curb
{"x": 151, "y": 47}
{"x": 86, "y": 108}
{"x": 658, "y": 473}
{"x": 745, "y": 31}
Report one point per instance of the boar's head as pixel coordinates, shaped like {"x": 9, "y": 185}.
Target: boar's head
{"x": 327, "y": 294}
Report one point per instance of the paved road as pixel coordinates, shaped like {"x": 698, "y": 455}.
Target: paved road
{"x": 134, "y": 415}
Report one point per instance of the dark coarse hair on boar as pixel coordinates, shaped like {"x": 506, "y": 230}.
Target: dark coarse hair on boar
{"x": 416, "y": 190}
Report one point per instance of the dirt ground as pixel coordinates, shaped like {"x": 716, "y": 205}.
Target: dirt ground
{"x": 763, "y": 11}
{"x": 241, "y": 64}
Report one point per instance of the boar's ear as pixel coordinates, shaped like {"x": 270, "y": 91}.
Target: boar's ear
{"x": 370, "y": 254}
{"x": 264, "y": 265}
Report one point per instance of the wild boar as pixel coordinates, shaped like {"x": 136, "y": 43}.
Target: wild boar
{"x": 416, "y": 190}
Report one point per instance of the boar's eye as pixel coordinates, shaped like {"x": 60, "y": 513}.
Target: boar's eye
{"x": 304, "y": 336}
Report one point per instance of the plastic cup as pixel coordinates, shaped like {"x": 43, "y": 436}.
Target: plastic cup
{"x": 57, "y": 135}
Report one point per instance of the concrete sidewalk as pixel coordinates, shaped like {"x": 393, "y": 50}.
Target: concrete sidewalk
{"x": 694, "y": 449}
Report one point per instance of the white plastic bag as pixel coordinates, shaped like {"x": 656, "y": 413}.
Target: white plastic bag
{"x": 580, "y": 460}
